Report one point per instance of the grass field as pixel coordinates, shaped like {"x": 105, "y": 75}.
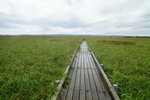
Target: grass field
{"x": 127, "y": 63}
{"x": 30, "y": 64}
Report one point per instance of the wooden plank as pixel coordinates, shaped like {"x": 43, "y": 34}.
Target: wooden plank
{"x": 79, "y": 64}
{"x": 93, "y": 87}
{"x": 64, "y": 94}
{"x": 82, "y": 87}
{"x": 114, "y": 95}
{"x": 71, "y": 87}
{"x": 102, "y": 94}
{"x": 77, "y": 83}
{"x": 87, "y": 81}
{"x": 106, "y": 94}
{"x": 98, "y": 75}
{"x": 65, "y": 91}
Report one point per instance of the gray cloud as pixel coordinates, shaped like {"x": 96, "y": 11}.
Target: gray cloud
{"x": 101, "y": 17}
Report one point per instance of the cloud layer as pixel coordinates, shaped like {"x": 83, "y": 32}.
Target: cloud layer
{"x": 93, "y": 17}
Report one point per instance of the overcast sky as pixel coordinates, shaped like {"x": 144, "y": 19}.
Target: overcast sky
{"x": 97, "y": 17}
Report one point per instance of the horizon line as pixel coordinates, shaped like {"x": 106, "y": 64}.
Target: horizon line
{"x": 73, "y": 35}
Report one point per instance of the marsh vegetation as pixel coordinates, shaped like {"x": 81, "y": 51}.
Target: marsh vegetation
{"x": 29, "y": 65}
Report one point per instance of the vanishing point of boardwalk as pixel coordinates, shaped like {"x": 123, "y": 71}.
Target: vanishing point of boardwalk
{"x": 86, "y": 83}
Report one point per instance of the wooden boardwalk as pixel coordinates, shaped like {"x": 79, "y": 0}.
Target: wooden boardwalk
{"x": 86, "y": 83}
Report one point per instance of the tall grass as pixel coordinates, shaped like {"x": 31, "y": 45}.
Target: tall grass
{"x": 30, "y": 65}
{"x": 127, "y": 63}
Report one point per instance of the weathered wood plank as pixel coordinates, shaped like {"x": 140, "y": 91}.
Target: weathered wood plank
{"x": 82, "y": 85}
{"x": 71, "y": 87}
{"x": 107, "y": 83}
{"x": 106, "y": 94}
{"x": 87, "y": 81}
{"x": 64, "y": 94}
{"x": 77, "y": 82}
{"x": 100, "y": 91}
{"x": 65, "y": 91}
{"x": 93, "y": 86}
{"x": 77, "y": 86}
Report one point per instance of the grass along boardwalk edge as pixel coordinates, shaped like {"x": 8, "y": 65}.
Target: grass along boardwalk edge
{"x": 105, "y": 78}
{"x": 61, "y": 83}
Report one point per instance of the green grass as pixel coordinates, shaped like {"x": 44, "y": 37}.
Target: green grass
{"x": 127, "y": 63}
{"x": 30, "y": 65}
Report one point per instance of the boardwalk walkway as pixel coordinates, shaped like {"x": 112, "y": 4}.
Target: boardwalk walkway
{"x": 85, "y": 83}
